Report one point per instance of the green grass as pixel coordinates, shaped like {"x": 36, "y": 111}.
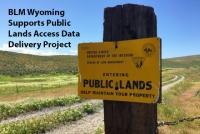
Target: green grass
{"x": 50, "y": 121}
{"x": 171, "y": 80}
{"x": 99, "y": 129}
{"x": 167, "y": 77}
{"x": 166, "y": 69}
{"x": 14, "y": 85}
{"x": 192, "y": 74}
{"x": 198, "y": 93}
{"x": 15, "y": 109}
{"x": 168, "y": 110}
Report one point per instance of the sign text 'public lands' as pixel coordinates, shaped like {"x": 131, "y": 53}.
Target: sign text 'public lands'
{"x": 122, "y": 71}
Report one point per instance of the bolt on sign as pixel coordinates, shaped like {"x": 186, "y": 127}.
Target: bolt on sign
{"x": 122, "y": 71}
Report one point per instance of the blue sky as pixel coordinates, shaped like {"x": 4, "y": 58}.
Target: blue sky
{"x": 178, "y": 23}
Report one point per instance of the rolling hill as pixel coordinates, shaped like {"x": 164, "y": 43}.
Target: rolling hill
{"x": 19, "y": 64}
{"x": 182, "y": 62}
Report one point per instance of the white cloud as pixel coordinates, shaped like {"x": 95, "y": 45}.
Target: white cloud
{"x": 5, "y": 47}
{"x": 73, "y": 52}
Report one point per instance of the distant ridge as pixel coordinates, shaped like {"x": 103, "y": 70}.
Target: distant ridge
{"x": 182, "y": 62}
{"x": 12, "y": 63}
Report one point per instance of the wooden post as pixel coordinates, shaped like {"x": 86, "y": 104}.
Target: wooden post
{"x": 126, "y": 22}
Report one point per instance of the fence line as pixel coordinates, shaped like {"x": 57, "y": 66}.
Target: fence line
{"x": 189, "y": 119}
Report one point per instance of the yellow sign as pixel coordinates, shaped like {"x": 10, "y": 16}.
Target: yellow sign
{"x": 121, "y": 71}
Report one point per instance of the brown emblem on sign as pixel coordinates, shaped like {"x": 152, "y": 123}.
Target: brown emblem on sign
{"x": 138, "y": 61}
{"x": 148, "y": 49}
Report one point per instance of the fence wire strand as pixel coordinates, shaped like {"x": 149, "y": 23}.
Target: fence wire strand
{"x": 163, "y": 123}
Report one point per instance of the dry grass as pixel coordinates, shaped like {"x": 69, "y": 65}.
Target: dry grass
{"x": 180, "y": 130}
{"x": 190, "y": 106}
{"x": 190, "y": 103}
{"x": 40, "y": 94}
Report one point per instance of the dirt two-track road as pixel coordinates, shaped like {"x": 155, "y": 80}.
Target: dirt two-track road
{"x": 90, "y": 123}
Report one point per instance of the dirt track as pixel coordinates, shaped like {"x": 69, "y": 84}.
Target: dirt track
{"x": 42, "y": 112}
{"x": 170, "y": 85}
{"x": 88, "y": 124}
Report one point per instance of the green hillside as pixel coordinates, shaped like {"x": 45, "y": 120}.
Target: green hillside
{"x": 182, "y": 62}
{"x": 19, "y": 64}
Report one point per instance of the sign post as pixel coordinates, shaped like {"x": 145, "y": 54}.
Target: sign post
{"x": 125, "y": 22}
{"x": 124, "y": 70}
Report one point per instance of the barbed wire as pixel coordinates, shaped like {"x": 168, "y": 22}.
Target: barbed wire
{"x": 189, "y": 119}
